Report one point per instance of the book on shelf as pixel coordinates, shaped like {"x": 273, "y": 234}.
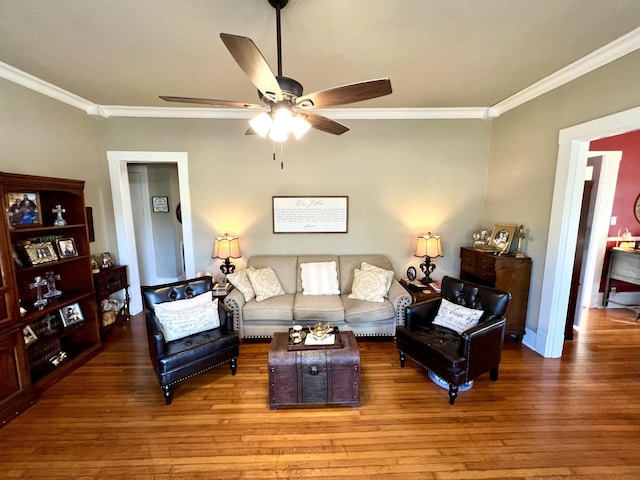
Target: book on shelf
{"x": 435, "y": 287}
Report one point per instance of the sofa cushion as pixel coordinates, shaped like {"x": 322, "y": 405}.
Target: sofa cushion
{"x": 348, "y": 264}
{"x": 321, "y": 308}
{"x": 370, "y": 285}
{"x": 284, "y": 266}
{"x": 265, "y": 283}
{"x": 182, "y": 318}
{"x": 240, "y": 280}
{"x": 275, "y": 308}
{"x": 361, "y": 311}
{"x": 319, "y": 278}
{"x": 388, "y": 274}
{"x": 456, "y": 317}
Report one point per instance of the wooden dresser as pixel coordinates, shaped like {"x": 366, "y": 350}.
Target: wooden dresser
{"x": 506, "y": 273}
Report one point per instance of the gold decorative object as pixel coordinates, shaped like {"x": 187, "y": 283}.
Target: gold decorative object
{"x": 320, "y": 331}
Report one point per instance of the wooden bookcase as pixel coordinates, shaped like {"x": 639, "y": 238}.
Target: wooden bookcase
{"x": 503, "y": 272}
{"x": 54, "y": 349}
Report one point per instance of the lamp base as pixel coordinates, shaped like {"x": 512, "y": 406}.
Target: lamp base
{"x": 227, "y": 267}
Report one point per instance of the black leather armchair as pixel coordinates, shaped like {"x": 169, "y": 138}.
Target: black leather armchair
{"x": 180, "y": 359}
{"x": 456, "y": 358}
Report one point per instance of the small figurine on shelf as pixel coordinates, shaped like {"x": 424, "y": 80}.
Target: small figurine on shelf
{"x": 94, "y": 266}
{"x": 38, "y": 283}
{"x": 521, "y": 236}
{"x": 59, "y": 211}
{"x": 52, "y": 291}
{"x": 107, "y": 261}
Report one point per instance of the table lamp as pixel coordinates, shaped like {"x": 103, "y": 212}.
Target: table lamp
{"x": 224, "y": 248}
{"x": 428, "y": 246}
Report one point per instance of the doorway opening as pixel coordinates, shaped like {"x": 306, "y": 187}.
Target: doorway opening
{"x": 119, "y": 166}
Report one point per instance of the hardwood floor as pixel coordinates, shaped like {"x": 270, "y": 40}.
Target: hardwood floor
{"x": 574, "y": 418}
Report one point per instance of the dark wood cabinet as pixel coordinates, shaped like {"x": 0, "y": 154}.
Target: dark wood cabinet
{"x": 503, "y": 272}
{"x": 112, "y": 283}
{"x": 40, "y": 342}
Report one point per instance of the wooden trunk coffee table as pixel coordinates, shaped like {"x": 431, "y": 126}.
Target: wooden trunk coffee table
{"x": 318, "y": 376}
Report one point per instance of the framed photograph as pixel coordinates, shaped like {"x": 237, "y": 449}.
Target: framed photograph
{"x": 29, "y": 336}
{"x": 310, "y": 214}
{"x": 67, "y": 247}
{"x": 501, "y": 237}
{"x": 411, "y": 273}
{"x": 160, "y": 204}
{"x": 71, "y": 315}
{"x": 42, "y": 252}
{"x": 22, "y": 208}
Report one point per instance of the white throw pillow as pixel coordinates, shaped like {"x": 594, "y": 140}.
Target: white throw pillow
{"x": 319, "y": 278}
{"x": 265, "y": 283}
{"x": 182, "y": 318}
{"x": 368, "y": 285}
{"x": 240, "y": 280}
{"x": 388, "y": 273}
{"x": 456, "y": 317}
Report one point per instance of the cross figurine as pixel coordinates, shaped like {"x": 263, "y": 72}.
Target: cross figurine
{"x": 39, "y": 282}
{"x": 521, "y": 236}
{"x": 59, "y": 211}
{"x": 51, "y": 285}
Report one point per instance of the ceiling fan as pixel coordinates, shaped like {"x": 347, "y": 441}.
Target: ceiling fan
{"x": 288, "y": 109}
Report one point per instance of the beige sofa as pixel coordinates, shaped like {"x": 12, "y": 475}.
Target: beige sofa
{"x": 261, "y": 319}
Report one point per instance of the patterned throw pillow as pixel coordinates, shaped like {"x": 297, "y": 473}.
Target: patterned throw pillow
{"x": 319, "y": 278}
{"x": 240, "y": 280}
{"x": 456, "y": 317}
{"x": 389, "y": 273}
{"x": 265, "y": 283}
{"x": 369, "y": 285}
{"x": 182, "y": 318}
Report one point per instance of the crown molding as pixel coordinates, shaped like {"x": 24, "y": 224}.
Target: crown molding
{"x": 618, "y": 48}
{"x": 45, "y": 88}
{"x": 108, "y": 111}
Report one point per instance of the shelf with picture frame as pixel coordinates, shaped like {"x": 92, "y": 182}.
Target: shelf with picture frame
{"x": 45, "y": 359}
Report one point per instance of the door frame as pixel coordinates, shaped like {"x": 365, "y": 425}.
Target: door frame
{"x": 119, "y": 177}
{"x": 563, "y": 224}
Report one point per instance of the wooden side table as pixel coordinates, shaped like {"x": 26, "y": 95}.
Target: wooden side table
{"x": 107, "y": 282}
{"x": 418, "y": 295}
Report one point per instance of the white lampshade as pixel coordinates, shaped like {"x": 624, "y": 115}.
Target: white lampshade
{"x": 226, "y": 247}
{"x": 261, "y": 124}
{"x": 299, "y": 126}
{"x": 429, "y": 246}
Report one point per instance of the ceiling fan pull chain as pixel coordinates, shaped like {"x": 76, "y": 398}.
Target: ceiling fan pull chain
{"x": 281, "y": 156}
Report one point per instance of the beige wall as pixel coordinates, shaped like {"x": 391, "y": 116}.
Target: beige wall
{"x": 402, "y": 178}
{"x": 524, "y": 149}
{"x": 42, "y": 136}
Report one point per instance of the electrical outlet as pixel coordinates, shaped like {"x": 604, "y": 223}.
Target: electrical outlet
{"x": 614, "y": 220}
{"x": 614, "y": 290}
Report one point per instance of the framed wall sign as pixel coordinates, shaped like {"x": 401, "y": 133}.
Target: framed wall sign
{"x": 160, "y": 204}
{"x": 326, "y": 214}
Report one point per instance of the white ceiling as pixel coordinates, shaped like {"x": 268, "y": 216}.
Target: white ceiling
{"x": 438, "y": 53}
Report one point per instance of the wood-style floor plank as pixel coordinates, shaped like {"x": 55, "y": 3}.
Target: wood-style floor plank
{"x": 570, "y": 418}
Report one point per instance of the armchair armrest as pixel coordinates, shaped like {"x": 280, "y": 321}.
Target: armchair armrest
{"x": 155, "y": 336}
{"x": 484, "y": 343}
{"x": 226, "y": 317}
{"x": 234, "y": 302}
{"x": 421, "y": 313}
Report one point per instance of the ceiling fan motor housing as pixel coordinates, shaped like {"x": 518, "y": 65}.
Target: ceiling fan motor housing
{"x": 290, "y": 89}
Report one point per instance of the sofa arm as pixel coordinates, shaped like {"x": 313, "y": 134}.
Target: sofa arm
{"x": 400, "y": 299}
{"x": 484, "y": 343}
{"x": 234, "y": 302}
{"x": 422, "y": 313}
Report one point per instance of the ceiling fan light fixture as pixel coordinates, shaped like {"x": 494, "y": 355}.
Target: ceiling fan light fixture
{"x": 282, "y": 123}
{"x": 261, "y": 124}
{"x": 299, "y": 126}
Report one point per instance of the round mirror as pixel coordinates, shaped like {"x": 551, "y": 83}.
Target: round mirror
{"x": 637, "y": 207}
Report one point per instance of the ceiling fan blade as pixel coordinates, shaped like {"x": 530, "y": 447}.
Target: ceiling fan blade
{"x": 247, "y": 55}
{"x": 324, "y": 124}
{"x": 351, "y": 93}
{"x": 209, "y": 101}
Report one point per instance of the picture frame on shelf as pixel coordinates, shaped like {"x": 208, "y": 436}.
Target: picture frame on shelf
{"x": 502, "y": 236}
{"x": 67, "y": 247}
{"x": 40, "y": 252}
{"x": 71, "y": 315}
{"x": 29, "y": 336}
{"x": 23, "y": 209}
{"x": 160, "y": 204}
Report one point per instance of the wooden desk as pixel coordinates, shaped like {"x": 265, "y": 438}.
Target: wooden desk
{"x": 624, "y": 265}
